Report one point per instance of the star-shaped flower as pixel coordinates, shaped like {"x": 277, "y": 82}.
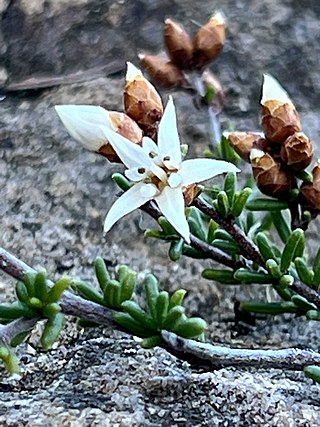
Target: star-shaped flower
{"x": 159, "y": 173}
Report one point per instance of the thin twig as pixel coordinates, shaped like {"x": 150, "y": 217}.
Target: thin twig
{"x": 209, "y": 251}
{"x": 248, "y": 248}
{"x": 216, "y": 357}
{"x": 206, "y": 356}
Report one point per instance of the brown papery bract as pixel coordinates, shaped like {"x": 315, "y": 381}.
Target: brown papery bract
{"x": 143, "y": 104}
{"x": 208, "y": 42}
{"x": 162, "y": 71}
{"x": 279, "y": 120}
{"x": 178, "y": 43}
{"x": 310, "y": 191}
{"x": 297, "y": 151}
{"x": 244, "y": 142}
{"x": 271, "y": 178}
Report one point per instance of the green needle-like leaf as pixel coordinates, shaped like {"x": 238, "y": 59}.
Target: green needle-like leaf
{"x": 290, "y": 249}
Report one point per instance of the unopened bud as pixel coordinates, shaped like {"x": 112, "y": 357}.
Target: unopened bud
{"x": 296, "y": 151}
{"x": 125, "y": 126}
{"x": 310, "y": 191}
{"x": 141, "y": 100}
{"x": 178, "y": 43}
{"x": 270, "y": 177}
{"x": 163, "y": 72}
{"x": 279, "y": 118}
{"x": 244, "y": 142}
{"x": 209, "y": 41}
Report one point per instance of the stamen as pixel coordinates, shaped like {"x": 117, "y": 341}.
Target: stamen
{"x": 152, "y": 154}
{"x": 167, "y": 159}
{"x": 141, "y": 171}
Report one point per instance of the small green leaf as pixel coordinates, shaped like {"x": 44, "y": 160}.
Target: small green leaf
{"x": 175, "y": 314}
{"x": 177, "y": 297}
{"x": 111, "y": 294}
{"x": 22, "y": 292}
{"x": 10, "y": 361}
{"x": 176, "y": 249}
{"x": 138, "y": 314}
{"x": 273, "y": 268}
{"x": 58, "y": 288}
{"x": 212, "y": 227}
{"x": 151, "y": 342}
{"x": 121, "y": 181}
{"x": 190, "y": 327}
{"x": 162, "y": 305}
{"x": 290, "y": 249}
{"x": 305, "y": 274}
{"x": 224, "y": 276}
{"x": 223, "y": 205}
{"x": 302, "y": 303}
{"x": 268, "y": 307}
{"x": 265, "y": 247}
{"x": 230, "y": 182}
{"x": 262, "y": 204}
{"x": 281, "y": 225}
{"x": 127, "y": 286}
{"x": 246, "y": 276}
{"x": 151, "y": 291}
{"x": 52, "y": 329}
{"x": 87, "y": 291}
{"x": 131, "y": 325}
{"x": 313, "y": 372}
{"x": 101, "y": 272}
{"x": 51, "y": 309}
{"x": 240, "y": 201}
{"x": 40, "y": 286}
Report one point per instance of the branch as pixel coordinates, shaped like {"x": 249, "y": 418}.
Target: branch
{"x": 249, "y": 250}
{"x": 209, "y": 251}
{"x": 210, "y": 356}
{"x": 206, "y": 356}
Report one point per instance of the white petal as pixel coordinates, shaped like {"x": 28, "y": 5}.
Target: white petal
{"x": 149, "y": 145}
{"x": 128, "y": 202}
{"x": 132, "y": 155}
{"x": 168, "y": 138}
{"x": 197, "y": 170}
{"x": 132, "y": 72}
{"x": 171, "y": 204}
{"x": 149, "y": 191}
{"x": 175, "y": 180}
{"x": 83, "y": 122}
{"x": 272, "y": 90}
{"x": 136, "y": 174}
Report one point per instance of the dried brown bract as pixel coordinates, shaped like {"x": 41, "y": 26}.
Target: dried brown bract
{"x": 310, "y": 191}
{"x": 141, "y": 101}
{"x": 209, "y": 41}
{"x": 162, "y": 71}
{"x": 271, "y": 178}
{"x": 296, "y": 151}
{"x": 178, "y": 44}
{"x": 244, "y": 142}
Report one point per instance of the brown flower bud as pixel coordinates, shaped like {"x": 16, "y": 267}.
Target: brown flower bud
{"x": 310, "y": 191}
{"x": 244, "y": 142}
{"x": 190, "y": 193}
{"x": 296, "y": 151}
{"x": 163, "y": 72}
{"x": 279, "y": 118}
{"x": 208, "y": 41}
{"x": 125, "y": 126}
{"x": 178, "y": 43}
{"x": 141, "y": 101}
{"x": 269, "y": 175}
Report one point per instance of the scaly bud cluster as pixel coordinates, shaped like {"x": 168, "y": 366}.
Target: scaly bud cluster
{"x": 185, "y": 53}
{"x": 282, "y": 151}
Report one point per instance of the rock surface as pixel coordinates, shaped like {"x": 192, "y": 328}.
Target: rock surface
{"x": 54, "y": 196}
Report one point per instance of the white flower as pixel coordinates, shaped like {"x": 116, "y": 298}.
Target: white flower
{"x": 159, "y": 173}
